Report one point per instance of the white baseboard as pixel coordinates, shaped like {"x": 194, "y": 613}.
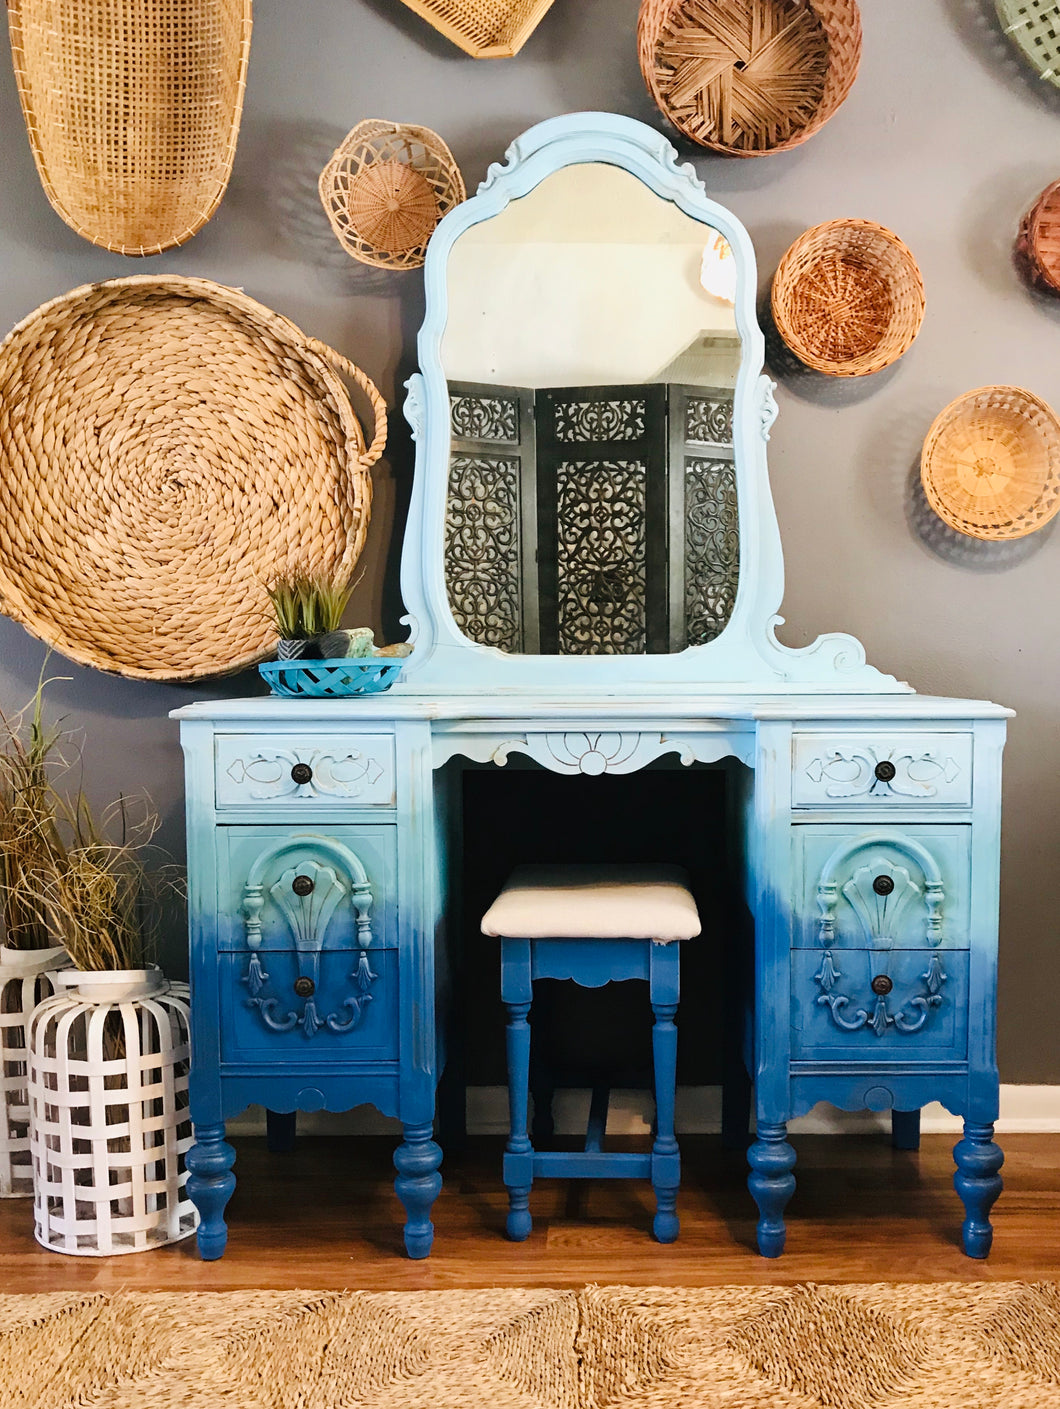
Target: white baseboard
{"x": 1024, "y": 1109}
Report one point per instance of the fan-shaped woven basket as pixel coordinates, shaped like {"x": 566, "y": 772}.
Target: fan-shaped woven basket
{"x": 848, "y": 298}
{"x": 485, "y": 29}
{"x": 991, "y": 463}
{"x": 747, "y": 77}
{"x": 167, "y": 447}
{"x": 386, "y": 188}
{"x": 132, "y": 109}
{"x": 1038, "y": 243}
{"x": 1034, "y": 28}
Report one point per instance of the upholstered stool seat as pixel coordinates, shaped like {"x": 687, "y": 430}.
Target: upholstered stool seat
{"x": 595, "y": 924}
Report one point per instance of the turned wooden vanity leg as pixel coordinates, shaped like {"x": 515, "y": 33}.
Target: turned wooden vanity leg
{"x": 418, "y": 1184}
{"x": 211, "y": 1184}
{"x": 978, "y": 1181}
{"x": 519, "y": 1152}
{"x": 905, "y": 1130}
{"x": 665, "y": 1155}
{"x": 772, "y": 1183}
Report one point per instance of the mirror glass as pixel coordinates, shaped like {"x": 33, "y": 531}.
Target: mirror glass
{"x": 591, "y": 354}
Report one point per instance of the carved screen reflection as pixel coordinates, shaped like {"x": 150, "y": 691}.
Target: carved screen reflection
{"x": 592, "y": 501}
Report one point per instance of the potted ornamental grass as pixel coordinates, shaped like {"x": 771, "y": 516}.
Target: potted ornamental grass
{"x": 307, "y": 606}
{"x": 109, "y": 1051}
{"x": 30, "y": 953}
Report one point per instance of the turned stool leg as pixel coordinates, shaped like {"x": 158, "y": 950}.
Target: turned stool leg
{"x": 517, "y": 994}
{"x": 665, "y": 1155}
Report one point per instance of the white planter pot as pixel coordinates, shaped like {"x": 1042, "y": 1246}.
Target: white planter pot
{"x": 26, "y": 977}
{"x": 109, "y": 1118}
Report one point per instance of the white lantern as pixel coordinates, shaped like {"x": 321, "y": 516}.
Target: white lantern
{"x": 25, "y": 979}
{"x": 109, "y": 1117}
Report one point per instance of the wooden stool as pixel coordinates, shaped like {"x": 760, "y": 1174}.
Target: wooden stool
{"x": 595, "y": 925}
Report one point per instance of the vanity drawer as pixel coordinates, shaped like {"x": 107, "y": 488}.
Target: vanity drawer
{"x": 297, "y": 773}
{"x": 294, "y": 888}
{"x": 881, "y": 769}
{"x": 837, "y": 1016}
{"x": 876, "y": 886}
{"x": 352, "y": 1012}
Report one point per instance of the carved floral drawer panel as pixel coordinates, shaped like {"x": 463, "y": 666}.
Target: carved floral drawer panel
{"x": 882, "y": 887}
{"x": 309, "y": 890}
{"x": 892, "y": 770}
{"x": 897, "y": 1005}
{"x": 304, "y": 772}
{"x": 268, "y": 1015}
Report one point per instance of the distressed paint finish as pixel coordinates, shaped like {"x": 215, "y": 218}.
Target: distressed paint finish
{"x": 846, "y": 789}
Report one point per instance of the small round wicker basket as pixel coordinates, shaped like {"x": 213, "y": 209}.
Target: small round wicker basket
{"x": 167, "y": 447}
{"x": 848, "y": 298}
{"x": 386, "y": 188}
{"x": 748, "y": 77}
{"x": 991, "y": 463}
{"x": 1038, "y": 242}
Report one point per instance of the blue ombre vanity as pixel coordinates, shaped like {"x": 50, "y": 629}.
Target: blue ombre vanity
{"x": 592, "y": 572}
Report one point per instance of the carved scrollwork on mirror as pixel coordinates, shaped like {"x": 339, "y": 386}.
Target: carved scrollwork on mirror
{"x": 591, "y": 504}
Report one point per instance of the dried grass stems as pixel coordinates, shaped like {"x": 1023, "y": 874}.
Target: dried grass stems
{"x": 308, "y": 604}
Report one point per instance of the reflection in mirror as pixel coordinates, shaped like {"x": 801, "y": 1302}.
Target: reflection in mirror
{"x": 591, "y": 354}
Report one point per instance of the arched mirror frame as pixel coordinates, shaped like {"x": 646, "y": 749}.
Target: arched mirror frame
{"x": 746, "y": 656}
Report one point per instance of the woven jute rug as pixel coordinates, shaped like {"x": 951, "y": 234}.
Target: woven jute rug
{"x": 982, "y": 1346}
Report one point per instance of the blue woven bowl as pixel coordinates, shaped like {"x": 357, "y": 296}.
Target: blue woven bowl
{"x": 330, "y": 679}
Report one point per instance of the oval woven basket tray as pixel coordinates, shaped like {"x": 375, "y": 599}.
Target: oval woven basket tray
{"x": 990, "y": 466}
{"x": 132, "y": 111}
{"x": 748, "y": 77}
{"x": 168, "y": 446}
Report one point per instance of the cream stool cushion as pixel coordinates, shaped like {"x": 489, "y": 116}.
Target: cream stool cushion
{"x": 594, "y": 902}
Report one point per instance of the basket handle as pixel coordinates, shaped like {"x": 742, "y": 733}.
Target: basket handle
{"x": 362, "y": 379}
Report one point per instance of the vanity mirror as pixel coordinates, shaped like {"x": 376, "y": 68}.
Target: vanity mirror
{"x": 591, "y": 503}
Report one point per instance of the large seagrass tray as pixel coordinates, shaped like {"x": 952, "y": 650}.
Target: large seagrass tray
{"x": 747, "y": 77}
{"x": 485, "y": 29}
{"x": 132, "y": 109}
{"x": 167, "y": 447}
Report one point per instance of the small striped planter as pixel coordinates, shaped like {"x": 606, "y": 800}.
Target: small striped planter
{"x": 26, "y": 977}
{"x": 109, "y": 1118}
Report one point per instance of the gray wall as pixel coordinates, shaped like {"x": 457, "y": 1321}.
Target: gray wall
{"x": 945, "y": 138}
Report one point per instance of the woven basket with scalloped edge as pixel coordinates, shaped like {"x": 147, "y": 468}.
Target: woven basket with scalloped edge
{"x": 167, "y": 447}
{"x": 848, "y": 298}
{"x": 748, "y": 77}
{"x": 132, "y": 109}
{"x": 990, "y": 466}
{"x": 485, "y": 29}
{"x": 386, "y": 188}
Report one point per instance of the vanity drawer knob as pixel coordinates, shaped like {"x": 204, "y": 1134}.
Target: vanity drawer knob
{"x": 302, "y": 885}
{"x": 304, "y": 987}
{"x": 881, "y": 985}
{"x": 301, "y": 773}
{"x": 882, "y": 885}
{"x": 885, "y": 771}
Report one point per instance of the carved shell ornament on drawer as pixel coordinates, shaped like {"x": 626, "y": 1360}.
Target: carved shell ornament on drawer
{"x": 865, "y": 772}
{"x": 331, "y": 774}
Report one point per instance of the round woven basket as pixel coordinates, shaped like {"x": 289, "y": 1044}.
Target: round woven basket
{"x": 991, "y": 463}
{"x": 132, "y": 111}
{"x": 167, "y": 447}
{"x": 748, "y": 77}
{"x": 1032, "y": 27}
{"x": 1038, "y": 242}
{"x": 485, "y": 29}
{"x": 848, "y": 298}
{"x": 386, "y": 188}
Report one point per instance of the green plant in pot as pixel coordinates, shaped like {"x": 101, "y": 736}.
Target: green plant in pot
{"x": 307, "y": 606}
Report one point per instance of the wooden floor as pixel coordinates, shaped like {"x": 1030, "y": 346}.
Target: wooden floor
{"x": 326, "y": 1217}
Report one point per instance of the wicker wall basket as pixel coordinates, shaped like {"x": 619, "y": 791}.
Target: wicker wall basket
{"x": 132, "y": 110}
{"x": 991, "y": 463}
{"x": 168, "y": 446}
{"x": 1038, "y": 242}
{"x": 485, "y": 29}
{"x": 386, "y": 188}
{"x": 1034, "y": 28}
{"x": 748, "y": 77}
{"x": 848, "y": 298}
